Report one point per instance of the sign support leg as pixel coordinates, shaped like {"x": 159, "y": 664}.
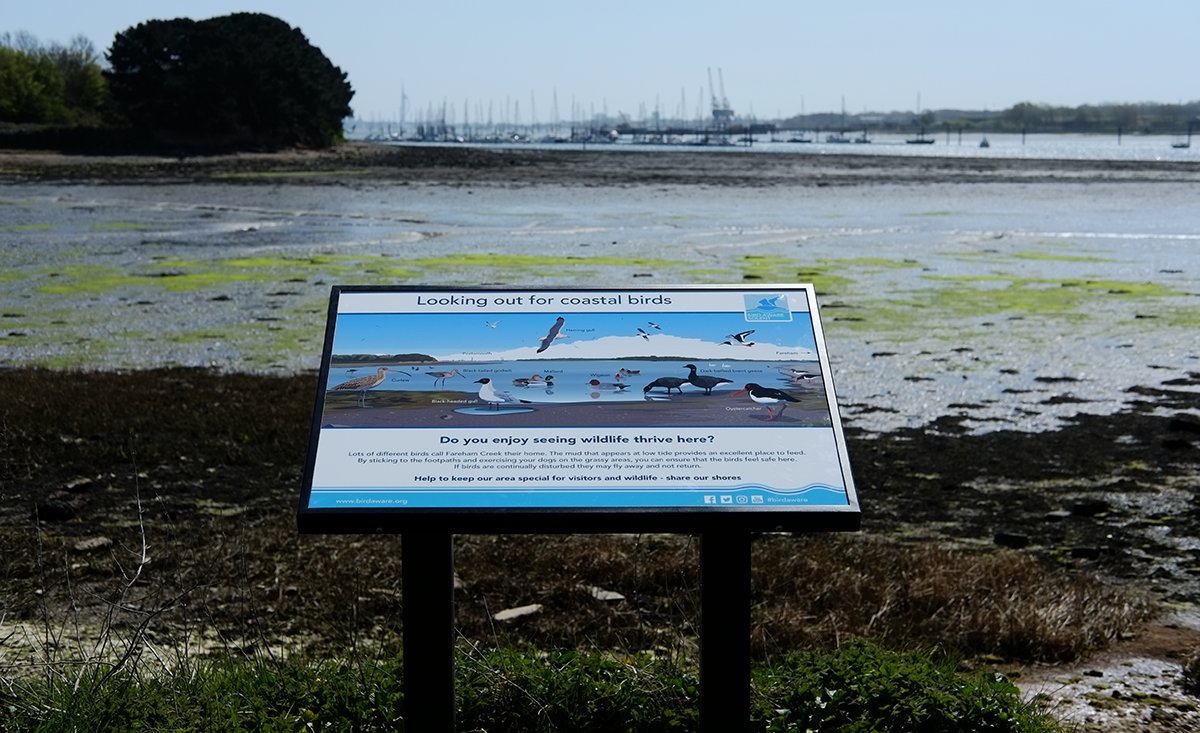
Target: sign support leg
{"x": 724, "y": 631}
{"x": 427, "y": 569}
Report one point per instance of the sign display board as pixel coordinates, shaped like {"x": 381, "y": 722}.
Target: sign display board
{"x": 501, "y": 410}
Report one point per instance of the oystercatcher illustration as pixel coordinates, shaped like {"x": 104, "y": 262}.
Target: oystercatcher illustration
{"x": 768, "y": 396}
{"x": 738, "y": 339}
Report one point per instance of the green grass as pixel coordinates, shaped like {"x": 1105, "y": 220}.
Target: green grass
{"x": 860, "y": 687}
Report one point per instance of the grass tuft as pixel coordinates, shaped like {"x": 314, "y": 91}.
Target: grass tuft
{"x": 861, "y": 687}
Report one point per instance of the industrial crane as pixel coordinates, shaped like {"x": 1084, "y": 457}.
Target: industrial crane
{"x": 721, "y": 111}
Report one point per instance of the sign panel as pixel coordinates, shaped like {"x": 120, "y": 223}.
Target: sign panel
{"x": 668, "y": 409}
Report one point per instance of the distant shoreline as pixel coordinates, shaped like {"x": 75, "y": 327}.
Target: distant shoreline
{"x": 374, "y": 164}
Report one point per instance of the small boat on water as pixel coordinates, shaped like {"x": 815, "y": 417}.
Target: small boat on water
{"x": 984, "y": 143}
{"x": 920, "y": 139}
{"x": 837, "y": 137}
{"x": 1182, "y": 143}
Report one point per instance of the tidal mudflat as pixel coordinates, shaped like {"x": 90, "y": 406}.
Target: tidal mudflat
{"x": 1013, "y": 342}
{"x": 1010, "y": 296}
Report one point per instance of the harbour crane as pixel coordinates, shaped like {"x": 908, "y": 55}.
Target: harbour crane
{"x": 721, "y": 111}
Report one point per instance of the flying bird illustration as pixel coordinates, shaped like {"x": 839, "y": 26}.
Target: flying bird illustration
{"x": 551, "y": 334}
{"x": 770, "y": 303}
{"x": 643, "y": 334}
{"x": 491, "y": 324}
{"x": 738, "y": 339}
{"x": 654, "y": 325}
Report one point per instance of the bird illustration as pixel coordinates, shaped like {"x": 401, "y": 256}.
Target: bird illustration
{"x": 362, "y": 384}
{"x": 535, "y": 381}
{"x": 767, "y": 396}
{"x": 643, "y": 334}
{"x": 704, "y": 381}
{"x": 738, "y": 339}
{"x": 669, "y": 383}
{"x": 597, "y": 384}
{"x": 551, "y": 334}
{"x": 491, "y": 324}
{"x": 769, "y": 303}
{"x": 654, "y": 325}
{"x": 802, "y": 378}
{"x": 443, "y": 376}
{"x": 494, "y": 397}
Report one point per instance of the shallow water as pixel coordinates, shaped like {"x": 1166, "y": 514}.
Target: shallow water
{"x": 1013, "y": 304}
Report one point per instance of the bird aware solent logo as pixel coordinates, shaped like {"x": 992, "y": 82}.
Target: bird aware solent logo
{"x": 760, "y": 307}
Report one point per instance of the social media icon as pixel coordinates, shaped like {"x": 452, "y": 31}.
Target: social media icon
{"x": 726, "y": 498}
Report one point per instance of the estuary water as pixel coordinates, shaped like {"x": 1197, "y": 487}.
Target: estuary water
{"x": 1012, "y": 305}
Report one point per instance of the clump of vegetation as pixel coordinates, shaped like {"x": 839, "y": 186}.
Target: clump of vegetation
{"x": 245, "y": 77}
{"x": 50, "y": 84}
{"x": 129, "y": 542}
{"x": 1191, "y": 673}
{"x": 245, "y": 80}
{"x": 861, "y": 687}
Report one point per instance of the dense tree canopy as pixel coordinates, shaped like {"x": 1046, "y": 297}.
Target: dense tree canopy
{"x": 50, "y": 84}
{"x": 240, "y": 78}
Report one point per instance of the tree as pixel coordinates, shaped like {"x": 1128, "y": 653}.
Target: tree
{"x": 240, "y": 78}
{"x": 50, "y": 85}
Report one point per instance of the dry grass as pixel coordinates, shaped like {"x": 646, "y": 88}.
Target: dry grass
{"x": 214, "y": 463}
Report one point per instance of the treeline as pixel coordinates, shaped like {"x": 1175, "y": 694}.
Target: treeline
{"x": 1146, "y": 118}
{"x": 51, "y": 84}
{"x": 1141, "y": 118}
{"x": 245, "y": 80}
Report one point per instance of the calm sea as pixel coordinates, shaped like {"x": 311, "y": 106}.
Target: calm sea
{"x": 954, "y": 144}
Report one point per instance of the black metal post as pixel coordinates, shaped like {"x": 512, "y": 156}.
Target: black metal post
{"x": 725, "y": 632}
{"x": 427, "y": 568}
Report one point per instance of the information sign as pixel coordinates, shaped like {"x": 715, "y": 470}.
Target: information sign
{"x": 627, "y": 409}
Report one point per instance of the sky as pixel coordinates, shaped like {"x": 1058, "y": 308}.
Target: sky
{"x": 520, "y": 62}
{"x": 493, "y": 336}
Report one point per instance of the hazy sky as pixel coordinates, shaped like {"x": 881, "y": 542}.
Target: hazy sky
{"x": 777, "y": 57}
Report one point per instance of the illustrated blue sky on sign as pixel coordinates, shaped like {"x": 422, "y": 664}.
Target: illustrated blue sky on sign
{"x": 491, "y": 335}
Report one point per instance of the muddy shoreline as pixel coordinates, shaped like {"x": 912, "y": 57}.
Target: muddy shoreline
{"x": 361, "y": 163}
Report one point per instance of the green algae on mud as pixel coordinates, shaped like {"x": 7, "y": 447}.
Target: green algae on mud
{"x": 982, "y": 295}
